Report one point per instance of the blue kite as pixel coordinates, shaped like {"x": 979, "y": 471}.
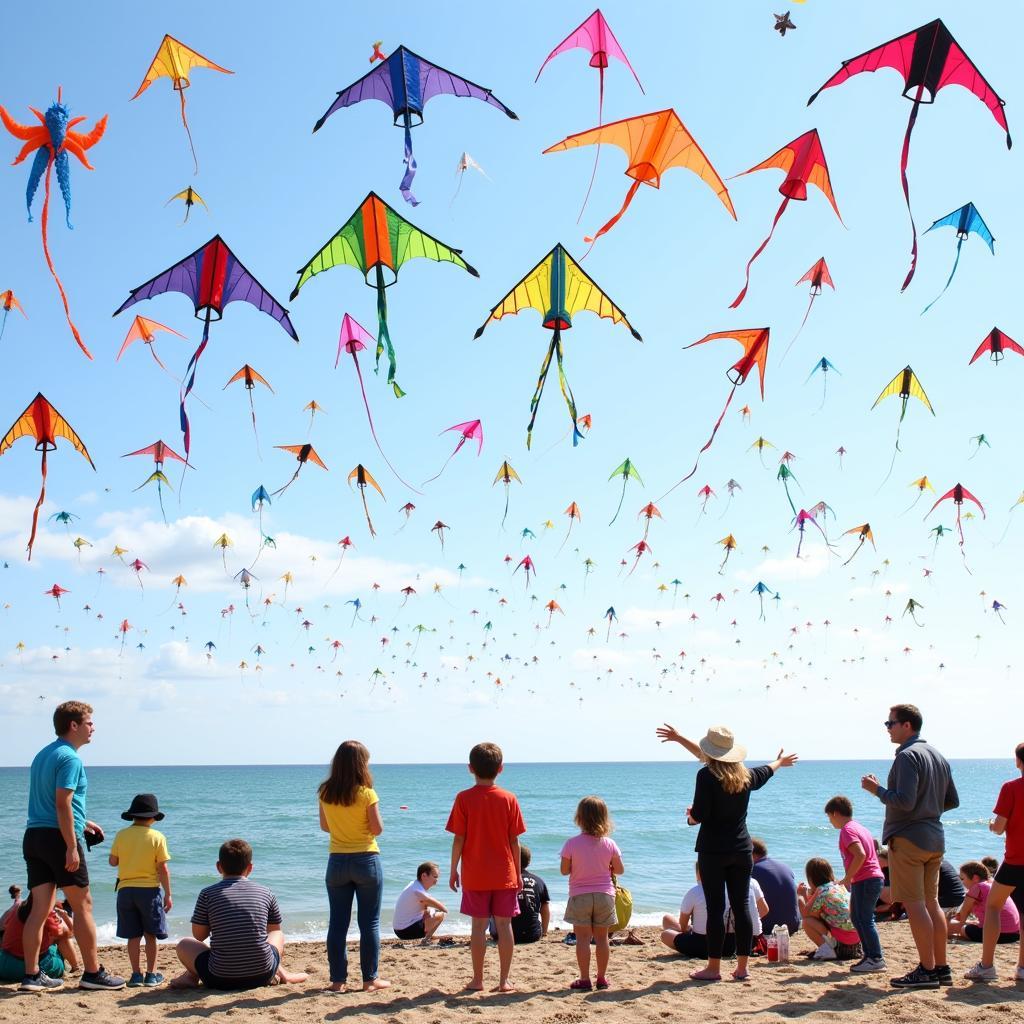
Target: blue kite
{"x": 825, "y": 366}
{"x": 965, "y": 220}
{"x": 761, "y": 589}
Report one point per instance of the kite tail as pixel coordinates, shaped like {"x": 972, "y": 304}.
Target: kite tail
{"x": 186, "y": 388}
{"x": 49, "y": 261}
{"x": 373, "y": 430}
{"x": 566, "y": 537}
{"x": 160, "y": 498}
{"x": 446, "y": 461}
{"x": 184, "y": 121}
{"x": 410, "y": 168}
{"x": 707, "y": 445}
{"x": 567, "y": 394}
{"x": 622, "y": 498}
{"x": 959, "y": 243}
{"x": 824, "y": 390}
{"x": 3, "y": 324}
{"x": 904, "y": 157}
{"x": 629, "y": 198}
{"x": 760, "y": 249}
{"x": 597, "y": 155}
{"x": 384, "y": 337}
{"x": 539, "y": 390}
{"x": 855, "y": 550}
{"x": 39, "y": 505}
{"x": 1009, "y": 523}
{"x": 785, "y": 484}
{"x": 814, "y": 295}
{"x": 505, "y": 516}
{"x": 281, "y": 490}
{"x": 369, "y": 523}
{"x": 252, "y": 410}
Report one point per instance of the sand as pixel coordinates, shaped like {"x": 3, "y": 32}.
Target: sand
{"x": 650, "y": 983}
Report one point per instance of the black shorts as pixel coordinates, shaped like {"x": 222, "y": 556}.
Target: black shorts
{"x": 415, "y": 931}
{"x": 211, "y": 980}
{"x": 974, "y": 933}
{"x": 695, "y": 945}
{"x": 1010, "y": 874}
{"x": 45, "y": 852}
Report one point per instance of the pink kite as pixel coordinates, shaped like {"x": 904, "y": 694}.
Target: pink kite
{"x": 471, "y": 430}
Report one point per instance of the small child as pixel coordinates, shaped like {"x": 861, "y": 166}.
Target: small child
{"x": 863, "y": 877}
{"x": 590, "y": 860}
{"x": 140, "y": 855}
{"x": 417, "y": 914}
{"x": 825, "y": 908}
{"x": 975, "y": 877}
{"x": 486, "y": 824}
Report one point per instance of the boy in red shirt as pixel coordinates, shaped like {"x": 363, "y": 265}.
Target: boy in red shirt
{"x": 486, "y": 823}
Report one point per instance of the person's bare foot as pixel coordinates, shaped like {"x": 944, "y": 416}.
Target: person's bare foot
{"x": 505, "y": 986}
{"x": 476, "y": 985}
{"x": 184, "y": 980}
{"x": 291, "y": 977}
{"x": 337, "y": 986}
{"x": 375, "y": 985}
{"x": 705, "y": 975}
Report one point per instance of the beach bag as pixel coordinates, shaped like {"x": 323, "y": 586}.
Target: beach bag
{"x": 849, "y": 951}
{"x": 623, "y": 907}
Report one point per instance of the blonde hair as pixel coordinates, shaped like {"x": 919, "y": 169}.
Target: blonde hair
{"x": 592, "y": 817}
{"x": 733, "y": 776}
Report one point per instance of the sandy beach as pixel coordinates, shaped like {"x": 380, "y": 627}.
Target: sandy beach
{"x": 649, "y": 984}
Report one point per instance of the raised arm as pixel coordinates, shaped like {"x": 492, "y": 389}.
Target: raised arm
{"x": 783, "y": 760}
{"x": 667, "y": 734}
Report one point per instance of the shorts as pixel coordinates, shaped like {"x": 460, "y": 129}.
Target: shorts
{"x": 211, "y": 980}
{"x": 140, "y": 912}
{"x": 416, "y": 930}
{"x": 12, "y": 968}
{"x": 594, "y": 909}
{"x": 973, "y": 933}
{"x": 1010, "y": 874}
{"x": 695, "y": 944}
{"x": 913, "y": 872}
{"x": 44, "y": 851}
{"x": 490, "y": 902}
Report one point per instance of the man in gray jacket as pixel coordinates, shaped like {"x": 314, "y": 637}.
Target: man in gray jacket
{"x": 919, "y": 788}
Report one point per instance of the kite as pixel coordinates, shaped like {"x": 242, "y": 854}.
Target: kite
{"x": 574, "y": 513}
{"x": 761, "y": 589}
{"x": 907, "y": 386}
{"x": 928, "y": 58}
{"x": 653, "y": 143}
{"x": 732, "y": 486}
{"x": 250, "y": 378}
{"x": 922, "y": 485}
{"x": 9, "y": 301}
{"x": 641, "y": 548}
{"x": 408, "y": 508}
{"x": 506, "y": 474}
{"x": 190, "y": 197}
{"x": 55, "y": 592}
{"x": 224, "y": 542}
{"x": 471, "y": 430}
{"x": 958, "y": 494}
{"x": 45, "y": 425}
{"x": 998, "y": 607}
{"x": 374, "y": 239}
{"x": 1019, "y": 501}
{"x": 595, "y": 35}
{"x": 803, "y": 517}
{"x": 64, "y": 518}
{"x": 824, "y": 365}
{"x": 729, "y": 543}
{"x": 160, "y": 453}
{"x": 760, "y": 444}
{"x": 783, "y": 23}
{"x": 863, "y": 533}
{"x": 52, "y": 140}
{"x": 378, "y": 53}
{"x": 707, "y": 494}
{"x": 464, "y": 164}
{"x": 79, "y": 543}
{"x": 840, "y": 451}
{"x": 175, "y": 61}
{"x": 818, "y": 276}
{"x": 439, "y": 529}
{"x": 211, "y": 277}
{"x": 785, "y": 474}
{"x": 625, "y": 470}
{"x": 313, "y": 408}
{"x": 364, "y": 479}
{"x": 526, "y": 564}
{"x": 755, "y": 353}
{"x": 910, "y": 608}
{"x": 558, "y": 288}
{"x": 304, "y": 453}
{"x": 146, "y": 330}
{"x": 137, "y": 566}
{"x": 979, "y": 439}
{"x": 965, "y": 220}
{"x": 803, "y": 162}
{"x": 995, "y": 344}
{"x": 649, "y": 511}
{"x": 611, "y": 617}
{"x": 405, "y": 82}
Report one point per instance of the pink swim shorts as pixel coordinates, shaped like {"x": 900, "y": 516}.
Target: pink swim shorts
{"x": 490, "y": 902}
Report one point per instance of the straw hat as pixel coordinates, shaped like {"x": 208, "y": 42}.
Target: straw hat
{"x": 720, "y": 745}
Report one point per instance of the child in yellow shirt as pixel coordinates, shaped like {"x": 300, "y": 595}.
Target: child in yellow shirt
{"x": 140, "y": 855}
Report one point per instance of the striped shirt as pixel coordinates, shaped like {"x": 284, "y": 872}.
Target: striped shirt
{"x": 237, "y": 913}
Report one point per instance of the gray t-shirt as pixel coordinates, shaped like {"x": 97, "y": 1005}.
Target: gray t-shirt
{"x": 919, "y": 789}
{"x": 237, "y": 913}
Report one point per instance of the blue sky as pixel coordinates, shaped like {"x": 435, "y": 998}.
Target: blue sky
{"x": 673, "y": 263}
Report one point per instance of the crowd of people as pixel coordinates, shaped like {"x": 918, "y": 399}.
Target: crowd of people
{"x": 743, "y": 897}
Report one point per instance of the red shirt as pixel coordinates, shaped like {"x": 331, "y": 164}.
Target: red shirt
{"x": 14, "y": 929}
{"x": 489, "y": 818}
{"x": 1010, "y": 806}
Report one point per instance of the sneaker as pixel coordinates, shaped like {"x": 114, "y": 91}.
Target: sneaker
{"x": 101, "y": 979}
{"x": 979, "y": 972}
{"x": 919, "y": 977}
{"x": 570, "y": 939}
{"x": 1020, "y": 973}
{"x": 152, "y": 980}
{"x": 944, "y": 974}
{"x": 137, "y": 980}
{"x": 824, "y": 952}
{"x": 869, "y": 965}
{"x": 40, "y": 982}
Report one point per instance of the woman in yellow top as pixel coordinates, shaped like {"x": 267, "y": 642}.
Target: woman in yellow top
{"x": 350, "y": 812}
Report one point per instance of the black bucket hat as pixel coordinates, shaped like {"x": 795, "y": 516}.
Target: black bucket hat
{"x": 144, "y": 805}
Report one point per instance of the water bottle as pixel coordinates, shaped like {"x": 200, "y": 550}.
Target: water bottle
{"x": 781, "y": 935}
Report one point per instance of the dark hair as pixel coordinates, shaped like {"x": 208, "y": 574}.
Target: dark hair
{"x": 840, "y": 805}
{"x": 819, "y": 871}
{"x": 760, "y": 847}
{"x": 24, "y": 909}
{"x": 592, "y": 817}
{"x": 972, "y": 868}
{"x": 235, "y": 856}
{"x": 1019, "y": 752}
{"x": 426, "y": 868}
{"x": 14, "y": 890}
{"x": 524, "y": 856}
{"x": 907, "y": 713}
{"x": 485, "y": 759}
{"x": 67, "y": 713}
{"x": 991, "y": 863}
{"x": 350, "y": 771}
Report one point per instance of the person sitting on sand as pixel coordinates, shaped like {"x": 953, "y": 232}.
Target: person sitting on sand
{"x": 825, "y": 908}
{"x": 417, "y": 914}
{"x": 976, "y": 878}
{"x": 15, "y": 894}
{"x": 243, "y": 923}
{"x": 778, "y": 884}
{"x": 531, "y": 923}
{"x": 56, "y": 934}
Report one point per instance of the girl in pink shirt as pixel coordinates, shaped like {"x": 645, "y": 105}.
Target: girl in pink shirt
{"x": 590, "y": 860}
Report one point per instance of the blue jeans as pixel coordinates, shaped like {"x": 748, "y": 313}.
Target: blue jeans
{"x": 863, "y": 897}
{"x": 359, "y": 875}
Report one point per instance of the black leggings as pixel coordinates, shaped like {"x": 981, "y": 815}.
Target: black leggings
{"x": 720, "y": 872}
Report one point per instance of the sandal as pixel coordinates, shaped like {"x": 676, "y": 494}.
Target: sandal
{"x": 632, "y": 939}
{"x": 581, "y": 985}
{"x": 603, "y": 983}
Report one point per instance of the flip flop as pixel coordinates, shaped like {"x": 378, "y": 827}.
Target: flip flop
{"x": 603, "y": 983}
{"x": 581, "y": 985}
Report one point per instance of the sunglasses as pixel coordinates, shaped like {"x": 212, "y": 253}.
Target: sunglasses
{"x": 889, "y": 725}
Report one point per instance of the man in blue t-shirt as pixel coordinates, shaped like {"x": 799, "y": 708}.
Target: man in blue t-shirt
{"x": 54, "y": 851}
{"x": 779, "y": 887}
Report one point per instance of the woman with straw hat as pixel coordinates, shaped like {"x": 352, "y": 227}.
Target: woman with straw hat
{"x": 720, "y": 799}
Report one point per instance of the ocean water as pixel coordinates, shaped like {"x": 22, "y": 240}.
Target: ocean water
{"x": 275, "y": 809}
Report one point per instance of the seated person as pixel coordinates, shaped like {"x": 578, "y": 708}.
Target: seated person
{"x": 951, "y": 889}
{"x": 56, "y": 930}
{"x": 15, "y": 893}
{"x": 417, "y": 914}
{"x": 243, "y": 923}
{"x": 975, "y": 876}
{"x": 779, "y": 887}
{"x": 531, "y": 923}
{"x": 825, "y": 909}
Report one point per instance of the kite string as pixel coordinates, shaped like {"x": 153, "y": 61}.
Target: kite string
{"x": 807, "y": 313}
{"x": 959, "y": 243}
{"x": 904, "y": 158}
{"x": 597, "y": 155}
{"x": 760, "y": 249}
